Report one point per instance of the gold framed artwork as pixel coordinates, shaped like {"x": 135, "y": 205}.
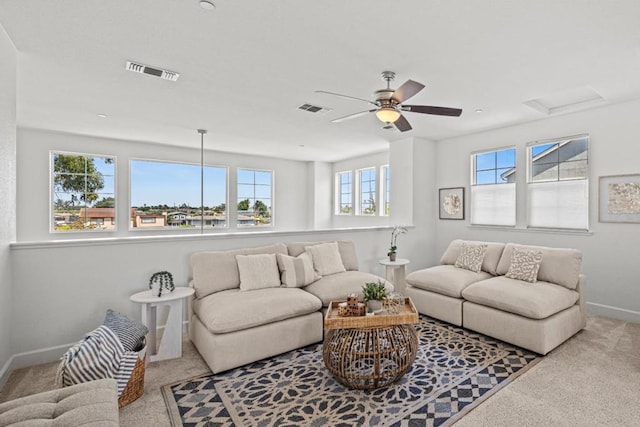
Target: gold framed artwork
{"x": 451, "y": 203}
{"x": 619, "y": 198}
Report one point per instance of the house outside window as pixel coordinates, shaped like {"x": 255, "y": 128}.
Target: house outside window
{"x": 166, "y": 196}
{"x": 385, "y": 190}
{"x": 344, "y": 192}
{"x": 367, "y": 191}
{"x": 83, "y": 192}
{"x": 493, "y": 187}
{"x": 558, "y": 183}
{"x": 255, "y": 198}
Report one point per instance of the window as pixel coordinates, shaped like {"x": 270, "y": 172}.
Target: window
{"x": 166, "y": 195}
{"x": 255, "y": 198}
{"x": 493, "y": 187}
{"x": 367, "y": 191}
{"x": 83, "y": 192}
{"x": 386, "y": 182}
{"x": 344, "y": 191}
{"x": 558, "y": 184}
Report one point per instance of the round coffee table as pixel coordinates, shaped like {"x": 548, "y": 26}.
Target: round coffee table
{"x": 370, "y": 358}
{"x": 369, "y": 352}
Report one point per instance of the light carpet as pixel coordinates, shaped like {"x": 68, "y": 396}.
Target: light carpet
{"x": 454, "y": 371}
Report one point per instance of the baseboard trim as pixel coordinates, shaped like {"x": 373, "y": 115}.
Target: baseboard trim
{"x": 31, "y": 358}
{"x": 614, "y": 312}
{"x": 47, "y": 355}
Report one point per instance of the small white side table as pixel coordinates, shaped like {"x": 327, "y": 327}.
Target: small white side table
{"x": 395, "y": 273}
{"x": 171, "y": 344}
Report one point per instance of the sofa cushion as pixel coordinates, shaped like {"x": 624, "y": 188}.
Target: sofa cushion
{"x": 525, "y": 264}
{"x": 471, "y": 256}
{"x": 94, "y": 403}
{"x": 234, "y": 310}
{"x": 326, "y": 258}
{"x": 337, "y": 287}
{"x": 559, "y": 265}
{"x": 296, "y": 272}
{"x": 491, "y": 256}
{"x": 215, "y": 271}
{"x": 533, "y": 300}
{"x": 445, "y": 279}
{"x": 258, "y": 271}
{"x": 346, "y": 248}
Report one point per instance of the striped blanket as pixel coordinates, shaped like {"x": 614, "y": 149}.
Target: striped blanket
{"x": 99, "y": 355}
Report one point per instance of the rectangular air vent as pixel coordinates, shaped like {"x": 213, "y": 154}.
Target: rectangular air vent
{"x": 158, "y": 72}
{"x": 313, "y": 108}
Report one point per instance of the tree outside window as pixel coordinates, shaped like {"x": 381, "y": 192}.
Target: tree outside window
{"x": 255, "y": 195}
{"x": 83, "y": 192}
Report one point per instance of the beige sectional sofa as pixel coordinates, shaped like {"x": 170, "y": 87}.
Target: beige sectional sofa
{"x": 537, "y": 316}
{"x": 232, "y": 324}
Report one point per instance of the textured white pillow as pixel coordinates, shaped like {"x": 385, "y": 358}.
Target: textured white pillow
{"x": 258, "y": 271}
{"x": 525, "y": 264}
{"x": 471, "y": 256}
{"x": 326, "y": 258}
{"x": 296, "y": 272}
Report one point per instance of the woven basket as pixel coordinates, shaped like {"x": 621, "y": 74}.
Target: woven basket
{"x": 135, "y": 386}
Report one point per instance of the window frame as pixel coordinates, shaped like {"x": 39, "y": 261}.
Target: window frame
{"x": 385, "y": 190}
{"x": 338, "y": 192}
{"x": 359, "y": 210}
{"x": 475, "y": 187}
{"x": 197, "y": 212}
{"x": 272, "y": 197}
{"x": 530, "y": 183}
{"x": 52, "y": 193}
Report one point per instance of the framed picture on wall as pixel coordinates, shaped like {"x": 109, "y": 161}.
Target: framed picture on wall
{"x": 451, "y": 203}
{"x": 619, "y": 198}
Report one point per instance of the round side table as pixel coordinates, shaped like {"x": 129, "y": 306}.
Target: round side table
{"x": 396, "y": 273}
{"x": 171, "y": 344}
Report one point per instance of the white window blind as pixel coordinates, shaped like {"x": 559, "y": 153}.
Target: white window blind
{"x": 493, "y": 204}
{"x": 560, "y": 204}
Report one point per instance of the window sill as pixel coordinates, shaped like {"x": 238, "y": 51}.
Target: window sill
{"x": 532, "y": 230}
{"x": 186, "y": 237}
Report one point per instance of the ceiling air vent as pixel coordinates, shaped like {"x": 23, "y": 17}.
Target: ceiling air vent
{"x": 313, "y": 108}
{"x": 158, "y": 72}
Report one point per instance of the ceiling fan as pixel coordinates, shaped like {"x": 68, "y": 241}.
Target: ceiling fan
{"x": 389, "y": 104}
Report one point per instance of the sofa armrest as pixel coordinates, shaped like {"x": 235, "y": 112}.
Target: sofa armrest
{"x": 582, "y": 300}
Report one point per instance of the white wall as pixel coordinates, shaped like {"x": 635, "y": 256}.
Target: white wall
{"x": 65, "y": 288}
{"x": 611, "y": 251}
{"x": 373, "y": 160}
{"x": 290, "y": 199}
{"x": 8, "y": 63}
{"x": 320, "y": 188}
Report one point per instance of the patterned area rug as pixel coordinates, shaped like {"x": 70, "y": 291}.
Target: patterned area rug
{"x": 454, "y": 371}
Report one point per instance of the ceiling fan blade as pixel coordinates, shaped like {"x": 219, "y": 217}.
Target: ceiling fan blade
{"x": 402, "y": 124}
{"x": 428, "y": 109}
{"x": 406, "y": 91}
{"x": 347, "y": 96}
{"x": 352, "y": 116}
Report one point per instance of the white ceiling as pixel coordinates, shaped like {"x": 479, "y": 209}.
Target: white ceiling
{"x": 247, "y": 65}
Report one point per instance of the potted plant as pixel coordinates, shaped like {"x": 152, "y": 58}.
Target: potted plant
{"x": 159, "y": 281}
{"x": 373, "y": 294}
{"x": 397, "y": 230}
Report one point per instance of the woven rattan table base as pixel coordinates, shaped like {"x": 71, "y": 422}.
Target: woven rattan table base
{"x": 370, "y": 358}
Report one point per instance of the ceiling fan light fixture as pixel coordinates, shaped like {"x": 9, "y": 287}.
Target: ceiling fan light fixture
{"x": 387, "y": 114}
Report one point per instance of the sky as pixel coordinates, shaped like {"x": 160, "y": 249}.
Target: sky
{"x": 159, "y": 183}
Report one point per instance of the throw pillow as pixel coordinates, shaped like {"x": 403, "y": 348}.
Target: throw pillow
{"x": 471, "y": 257}
{"x": 258, "y": 271}
{"x": 131, "y": 333}
{"x": 525, "y": 264}
{"x": 296, "y": 272}
{"x": 326, "y": 258}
